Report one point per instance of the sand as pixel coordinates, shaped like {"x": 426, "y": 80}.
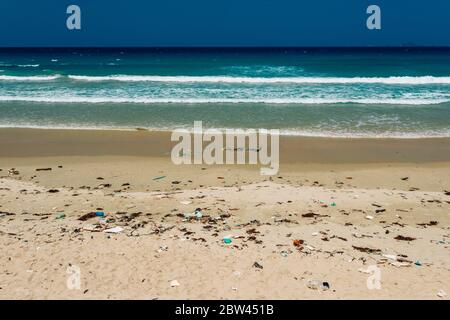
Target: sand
{"x": 354, "y": 204}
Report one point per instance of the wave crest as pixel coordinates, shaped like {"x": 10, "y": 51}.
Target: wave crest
{"x": 80, "y": 99}
{"x": 405, "y": 80}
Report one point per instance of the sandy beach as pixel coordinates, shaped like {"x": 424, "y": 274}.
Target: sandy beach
{"x": 336, "y": 209}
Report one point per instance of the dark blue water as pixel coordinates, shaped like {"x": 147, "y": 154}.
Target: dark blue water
{"x": 360, "y": 93}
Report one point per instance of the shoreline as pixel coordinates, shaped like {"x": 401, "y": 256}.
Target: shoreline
{"x": 283, "y": 133}
{"x": 16, "y": 142}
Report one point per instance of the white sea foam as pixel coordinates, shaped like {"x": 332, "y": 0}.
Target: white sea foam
{"x": 81, "y": 99}
{"x": 284, "y": 132}
{"x": 29, "y": 78}
{"x": 406, "y": 80}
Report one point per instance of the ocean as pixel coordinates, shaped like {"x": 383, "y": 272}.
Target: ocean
{"x": 329, "y": 93}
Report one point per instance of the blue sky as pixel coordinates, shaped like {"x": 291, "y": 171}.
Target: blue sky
{"x": 224, "y": 23}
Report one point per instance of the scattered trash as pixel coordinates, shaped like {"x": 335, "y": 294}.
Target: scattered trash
{"x": 400, "y": 237}
{"x": 284, "y": 253}
{"x": 441, "y": 293}
{"x": 87, "y": 216}
{"x": 369, "y": 217}
{"x": 159, "y": 178}
{"x": 368, "y": 271}
{"x": 163, "y": 248}
{"x": 390, "y": 256}
{"x": 313, "y": 215}
{"x": 60, "y": 216}
{"x": 93, "y": 227}
{"x": 257, "y": 265}
{"x": 13, "y": 172}
{"x": 114, "y": 230}
{"x": 198, "y": 213}
{"x": 367, "y": 250}
{"x": 316, "y": 285}
{"x": 174, "y": 283}
{"x": 99, "y": 214}
{"x": 44, "y": 169}
{"x": 186, "y": 202}
{"x": 399, "y": 264}
{"x": 333, "y": 204}
{"x": 418, "y": 263}
{"x": 227, "y": 239}
{"x": 298, "y": 243}
{"x": 187, "y": 215}
{"x": 429, "y": 224}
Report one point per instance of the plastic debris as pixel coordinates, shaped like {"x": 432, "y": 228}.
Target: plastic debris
{"x": 318, "y": 285}
{"x": 297, "y": 243}
{"x": 400, "y": 264}
{"x": 159, "y": 178}
{"x": 87, "y": 216}
{"x": 365, "y": 271}
{"x": 61, "y": 216}
{"x": 187, "y": 215}
{"x": 198, "y": 213}
{"x": 163, "y": 248}
{"x": 390, "y": 256}
{"x": 174, "y": 283}
{"x": 418, "y": 263}
{"x": 369, "y": 217}
{"x": 114, "y": 230}
{"x": 185, "y": 202}
{"x": 99, "y": 214}
{"x": 227, "y": 239}
{"x": 93, "y": 227}
{"x": 333, "y": 204}
{"x": 441, "y": 293}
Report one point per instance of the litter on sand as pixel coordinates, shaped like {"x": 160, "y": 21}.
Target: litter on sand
{"x": 441, "y": 293}
{"x": 114, "y": 230}
{"x": 87, "y": 216}
{"x": 316, "y": 285}
{"x": 93, "y": 227}
{"x": 159, "y": 178}
{"x": 99, "y": 214}
{"x": 227, "y": 239}
{"x": 174, "y": 283}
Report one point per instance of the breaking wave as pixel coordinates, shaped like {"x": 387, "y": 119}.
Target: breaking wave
{"x": 266, "y": 80}
{"x": 80, "y": 99}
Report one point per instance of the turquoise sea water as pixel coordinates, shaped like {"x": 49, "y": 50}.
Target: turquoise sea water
{"x": 314, "y": 93}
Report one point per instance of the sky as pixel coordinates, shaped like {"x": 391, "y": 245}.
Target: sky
{"x": 232, "y": 23}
